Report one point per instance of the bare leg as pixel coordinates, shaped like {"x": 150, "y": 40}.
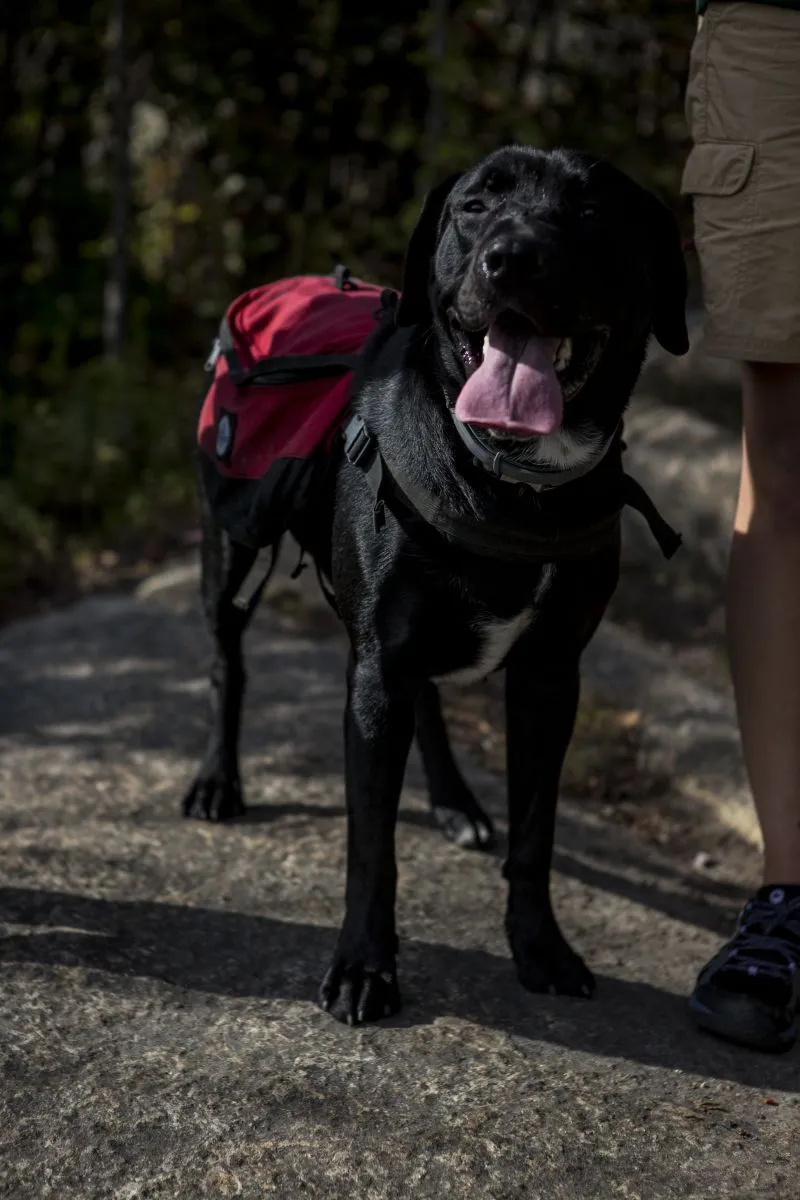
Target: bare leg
{"x": 764, "y": 609}
{"x": 750, "y": 991}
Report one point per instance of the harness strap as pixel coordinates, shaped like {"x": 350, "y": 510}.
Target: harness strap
{"x": 257, "y": 578}
{"x": 500, "y": 541}
{"x": 668, "y": 539}
{"x": 361, "y": 449}
{"x": 327, "y": 590}
{"x": 485, "y": 538}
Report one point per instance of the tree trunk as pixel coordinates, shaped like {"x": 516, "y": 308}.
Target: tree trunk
{"x": 437, "y": 113}
{"x": 116, "y": 291}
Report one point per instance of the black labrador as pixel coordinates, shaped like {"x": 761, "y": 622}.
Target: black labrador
{"x": 473, "y": 524}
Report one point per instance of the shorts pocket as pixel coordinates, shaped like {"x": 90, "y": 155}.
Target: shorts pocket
{"x": 716, "y": 176}
{"x": 717, "y": 168}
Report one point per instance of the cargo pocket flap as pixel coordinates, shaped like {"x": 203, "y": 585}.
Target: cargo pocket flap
{"x": 717, "y": 168}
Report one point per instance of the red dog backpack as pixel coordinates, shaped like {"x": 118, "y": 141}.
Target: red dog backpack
{"x": 283, "y": 367}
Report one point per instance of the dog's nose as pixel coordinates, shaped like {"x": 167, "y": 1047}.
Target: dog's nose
{"x": 512, "y": 255}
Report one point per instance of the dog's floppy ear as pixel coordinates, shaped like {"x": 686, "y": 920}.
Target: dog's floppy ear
{"x": 414, "y": 306}
{"x": 669, "y": 281}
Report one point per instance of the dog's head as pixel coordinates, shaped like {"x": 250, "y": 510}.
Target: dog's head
{"x": 536, "y": 267}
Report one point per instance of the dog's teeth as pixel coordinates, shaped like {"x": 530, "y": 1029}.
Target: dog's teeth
{"x": 485, "y": 346}
{"x": 563, "y": 354}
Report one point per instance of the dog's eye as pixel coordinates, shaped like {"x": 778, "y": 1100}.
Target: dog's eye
{"x": 474, "y": 206}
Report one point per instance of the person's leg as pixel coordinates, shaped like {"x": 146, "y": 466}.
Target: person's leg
{"x": 764, "y": 609}
{"x": 750, "y": 991}
{"x": 743, "y": 108}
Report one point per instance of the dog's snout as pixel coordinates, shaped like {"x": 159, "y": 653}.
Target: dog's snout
{"x": 511, "y": 256}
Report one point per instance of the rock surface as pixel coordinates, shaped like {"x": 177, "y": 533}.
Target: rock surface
{"x": 158, "y": 1031}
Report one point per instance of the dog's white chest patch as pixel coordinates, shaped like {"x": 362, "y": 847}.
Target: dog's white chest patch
{"x": 497, "y": 637}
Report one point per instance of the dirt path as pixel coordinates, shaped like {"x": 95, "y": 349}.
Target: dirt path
{"x": 157, "y": 1027}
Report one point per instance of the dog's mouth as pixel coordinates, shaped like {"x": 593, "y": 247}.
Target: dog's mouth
{"x": 518, "y": 379}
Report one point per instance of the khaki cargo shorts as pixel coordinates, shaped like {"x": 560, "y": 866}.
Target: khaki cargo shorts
{"x": 743, "y": 109}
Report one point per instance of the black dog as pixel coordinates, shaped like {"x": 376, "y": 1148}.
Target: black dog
{"x": 474, "y": 524}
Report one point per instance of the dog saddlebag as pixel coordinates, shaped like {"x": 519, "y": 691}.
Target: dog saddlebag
{"x": 283, "y": 366}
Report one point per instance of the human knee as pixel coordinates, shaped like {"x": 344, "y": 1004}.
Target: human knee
{"x": 772, "y": 436}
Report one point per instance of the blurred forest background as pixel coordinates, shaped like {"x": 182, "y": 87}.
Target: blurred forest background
{"x": 159, "y": 157}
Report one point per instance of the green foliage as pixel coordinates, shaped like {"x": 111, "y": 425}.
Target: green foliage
{"x": 104, "y": 462}
{"x": 266, "y": 139}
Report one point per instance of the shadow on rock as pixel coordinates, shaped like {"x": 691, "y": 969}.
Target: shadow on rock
{"x": 241, "y": 955}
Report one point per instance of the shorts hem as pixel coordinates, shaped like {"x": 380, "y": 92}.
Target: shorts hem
{"x": 741, "y": 350}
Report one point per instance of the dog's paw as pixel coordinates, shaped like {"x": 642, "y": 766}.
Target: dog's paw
{"x": 462, "y": 820}
{"x": 214, "y": 797}
{"x": 554, "y": 968}
{"x": 472, "y": 831}
{"x": 357, "y": 994}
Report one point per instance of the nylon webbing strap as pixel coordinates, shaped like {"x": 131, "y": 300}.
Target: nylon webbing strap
{"x": 500, "y": 541}
{"x": 668, "y": 539}
{"x": 485, "y": 538}
{"x": 257, "y": 577}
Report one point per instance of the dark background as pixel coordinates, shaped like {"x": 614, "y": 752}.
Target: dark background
{"x": 159, "y": 157}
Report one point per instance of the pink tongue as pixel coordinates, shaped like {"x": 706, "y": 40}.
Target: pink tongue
{"x": 515, "y": 388}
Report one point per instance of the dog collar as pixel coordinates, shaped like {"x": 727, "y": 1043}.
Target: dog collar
{"x": 504, "y": 467}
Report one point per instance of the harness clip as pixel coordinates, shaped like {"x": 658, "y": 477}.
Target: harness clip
{"x": 358, "y": 441}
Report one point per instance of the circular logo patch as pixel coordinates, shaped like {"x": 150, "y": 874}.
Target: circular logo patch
{"x": 224, "y": 436}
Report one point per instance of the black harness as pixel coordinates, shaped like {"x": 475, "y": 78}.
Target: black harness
{"x": 391, "y": 487}
{"x": 413, "y": 505}
{"x": 615, "y": 490}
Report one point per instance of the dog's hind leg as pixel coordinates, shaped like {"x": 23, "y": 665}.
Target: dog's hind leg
{"x": 216, "y": 791}
{"x": 541, "y": 704}
{"x": 455, "y": 809}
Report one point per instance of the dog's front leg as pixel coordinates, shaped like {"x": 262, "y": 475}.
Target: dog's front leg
{"x": 361, "y": 984}
{"x": 541, "y": 704}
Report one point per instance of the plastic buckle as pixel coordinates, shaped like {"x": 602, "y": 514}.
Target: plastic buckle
{"x": 211, "y": 361}
{"x": 358, "y": 441}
